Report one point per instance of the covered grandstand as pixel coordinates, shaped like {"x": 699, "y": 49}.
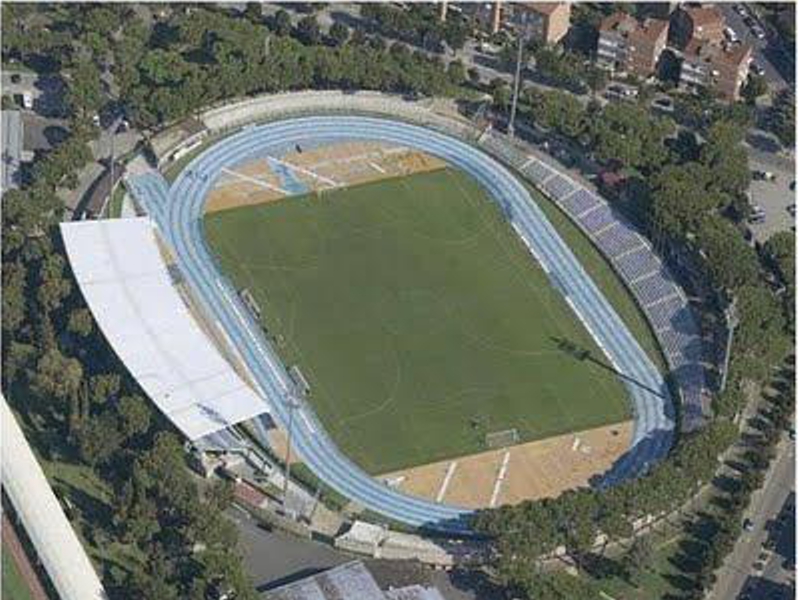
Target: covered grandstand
{"x": 126, "y": 283}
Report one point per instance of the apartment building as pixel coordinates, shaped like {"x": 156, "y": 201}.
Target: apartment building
{"x": 705, "y": 24}
{"x": 626, "y": 44}
{"x": 547, "y": 22}
{"x": 718, "y": 66}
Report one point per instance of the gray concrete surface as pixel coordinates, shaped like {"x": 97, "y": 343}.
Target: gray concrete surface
{"x": 765, "y": 504}
{"x": 774, "y": 197}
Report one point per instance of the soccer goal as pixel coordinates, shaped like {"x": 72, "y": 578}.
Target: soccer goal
{"x": 501, "y": 439}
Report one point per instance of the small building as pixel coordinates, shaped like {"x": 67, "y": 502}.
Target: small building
{"x": 703, "y": 24}
{"x": 352, "y": 580}
{"x": 626, "y": 44}
{"x": 720, "y": 67}
{"x": 547, "y": 22}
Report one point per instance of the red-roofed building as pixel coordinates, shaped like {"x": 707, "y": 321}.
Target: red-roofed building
{"x": 626, "y": 44}
{"x": 704, "y": 24}
{"x": 719, "y": 66}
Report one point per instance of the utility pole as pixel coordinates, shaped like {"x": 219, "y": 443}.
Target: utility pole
{"x": 732, "y": 320}
{"x": 293, "y": 405}
{"x": 523, "y": 30}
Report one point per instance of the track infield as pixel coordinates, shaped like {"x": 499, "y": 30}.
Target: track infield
{"x": 419, "y": 318}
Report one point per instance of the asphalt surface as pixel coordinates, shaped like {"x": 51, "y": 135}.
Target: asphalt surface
{"x": 763, "y": 49}
{"x": 178, "y": 212}
{"x": 764, "y": 506}
{"x": 774, "y": 196}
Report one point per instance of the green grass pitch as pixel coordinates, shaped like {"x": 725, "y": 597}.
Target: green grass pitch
{"x": 418, "y": 317}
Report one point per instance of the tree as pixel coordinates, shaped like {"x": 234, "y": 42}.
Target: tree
{"x": 726, "y": 158}
{"x": 308, "y": 30}
{"x": 281, "y": 23}
{"x": 474, "y": 76}
{"x": 80, "y": 322}
{"x": 627, "y": 134}
{"x": 134, "y": 416}
{"x": 782, "y": 117}
{"x": 456, "y": 72}
{"x": 640, "y": 555}
{"x": 755, "y": 87}
{"x": 253, "y": 12}
{"x": 99, "y": 439}
{"x": 730, "y": 261}
{"x": 339, "y": 33}
{"x": 779, "y": 251}
{"x": 501, "y": 94}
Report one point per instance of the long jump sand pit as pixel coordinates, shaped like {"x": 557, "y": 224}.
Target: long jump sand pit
{"x": 540, "y": 469}
{"x": 315, "y": 169}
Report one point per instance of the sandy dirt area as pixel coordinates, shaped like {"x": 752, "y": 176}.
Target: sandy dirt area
{"x": 317, "y": 169}
{"x": 541, "y": 469}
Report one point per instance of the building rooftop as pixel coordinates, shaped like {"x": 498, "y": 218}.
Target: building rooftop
{"x": 717, "y": 53}
{"x": 544, "y": 8}
{"x": 627, "y": 26}
{"x": 351, "y": 580}
{"x": 705, "y": 15}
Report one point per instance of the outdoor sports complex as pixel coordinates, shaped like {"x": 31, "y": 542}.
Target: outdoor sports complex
{"x": 396, "y": 299}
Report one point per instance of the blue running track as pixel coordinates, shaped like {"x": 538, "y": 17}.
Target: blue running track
{"x": 178, "y": 212}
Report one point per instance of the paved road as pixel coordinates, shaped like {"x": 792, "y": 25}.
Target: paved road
{"x": 178, "y": 212}
{"x": 764, "y": 505}
{"x": 761, "y": 48}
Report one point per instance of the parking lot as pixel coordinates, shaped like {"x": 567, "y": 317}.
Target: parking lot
{"x": 774, "y": 196}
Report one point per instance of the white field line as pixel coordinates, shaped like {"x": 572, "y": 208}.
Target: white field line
{"x": 530, "y": 248}
{"x": 592, "y": 333}
{"x": 289, "y": 165}
{"x": 253, "y": 180}
{"x": 501, "y": 475}
{"x": 451, "y": 468}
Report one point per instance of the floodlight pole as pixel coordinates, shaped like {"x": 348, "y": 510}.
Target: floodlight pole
{"x": 732, "y": 320}
{"x": 518, "y": 70}
{"x": 293, "y": 405}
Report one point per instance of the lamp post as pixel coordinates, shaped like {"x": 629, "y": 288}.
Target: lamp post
{"x": 293, "y": 405}
{"x": 732, "y": 320}
{"x": 523, "y": 31}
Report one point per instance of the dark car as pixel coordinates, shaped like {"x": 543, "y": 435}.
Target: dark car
{"x": 15, "y": 78}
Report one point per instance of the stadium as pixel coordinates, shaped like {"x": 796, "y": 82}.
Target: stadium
{"x": 384, "y": 290}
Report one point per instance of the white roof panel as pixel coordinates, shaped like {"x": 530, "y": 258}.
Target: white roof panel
{"x": 125, "y": 282}
{"x": 57, "y": 546}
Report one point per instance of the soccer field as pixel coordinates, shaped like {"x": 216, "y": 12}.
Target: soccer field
{"x": 418, "y": 317}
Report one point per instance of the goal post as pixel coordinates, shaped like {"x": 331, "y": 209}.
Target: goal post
{"x": 501, "y": 439}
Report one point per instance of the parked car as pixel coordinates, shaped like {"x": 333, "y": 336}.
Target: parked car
{"x": 731, "y": 35}
{"x": 758, "y": 32}
{"x": 757, "y": 68}
{"x": 759, "y": 175}
{"x": 748, "y": 525}
{"x": 792, "y": 208}
{"x": 15, "y": 78}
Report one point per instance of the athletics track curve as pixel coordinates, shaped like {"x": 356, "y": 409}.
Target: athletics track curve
{"x": 178, "y": 213}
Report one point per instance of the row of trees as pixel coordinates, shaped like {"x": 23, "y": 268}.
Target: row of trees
{"x": 418, "y": 25}
{"x": 204, "y": 56}
{"x": 75, "y": 400}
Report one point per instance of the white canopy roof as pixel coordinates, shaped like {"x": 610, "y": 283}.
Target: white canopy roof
{"x": 57, "y": 546}
{"x": 125, "y": 282}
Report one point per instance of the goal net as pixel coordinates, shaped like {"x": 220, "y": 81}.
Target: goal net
{"x": 501, "y": 439}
